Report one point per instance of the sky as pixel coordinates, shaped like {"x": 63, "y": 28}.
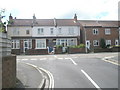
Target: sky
{"x": 61, "y": 9}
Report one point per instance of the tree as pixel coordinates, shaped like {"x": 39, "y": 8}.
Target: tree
{"x": 2, "y": 25}
{"x": 102, "y": 43}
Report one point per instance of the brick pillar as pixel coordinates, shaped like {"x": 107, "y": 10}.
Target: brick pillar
{"x": 21, "y": 46}
{"x": 33, "y": 44}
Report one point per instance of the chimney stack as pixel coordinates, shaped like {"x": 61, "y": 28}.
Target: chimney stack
{"x": 10, "y": 17}
{"x": 75, "y": 18}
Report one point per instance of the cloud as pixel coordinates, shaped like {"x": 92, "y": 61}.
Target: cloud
{"x": 85, "y": 9}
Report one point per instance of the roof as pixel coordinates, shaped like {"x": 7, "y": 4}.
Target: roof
{"x": 44, "y": 22}
{"x": 91, "y": 23}
{"x": 63, "y": 22}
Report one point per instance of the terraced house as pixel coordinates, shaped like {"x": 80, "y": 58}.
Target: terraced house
{"x": 39, "y": 36}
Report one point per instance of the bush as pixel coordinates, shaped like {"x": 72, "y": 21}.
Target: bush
{"x": 78, "y": 46}
{"x": 58, "y": 46}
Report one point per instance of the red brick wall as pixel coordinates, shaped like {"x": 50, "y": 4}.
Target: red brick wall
{"x": 91, "y": 37}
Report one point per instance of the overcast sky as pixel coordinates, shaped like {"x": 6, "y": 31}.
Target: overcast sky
{"x": 65, "y": 9}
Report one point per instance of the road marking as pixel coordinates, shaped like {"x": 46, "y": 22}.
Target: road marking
{"x": 60, "y": 58}
{"x": 107, "y": 59}
{"x": 24, "y": 59}
{"x": 55, "y": 56}
{"x": 33, "y": 59}
{"x": 43, "y": 58}
{"x": 91, "y": 80}
{"x": 72, "y": 61}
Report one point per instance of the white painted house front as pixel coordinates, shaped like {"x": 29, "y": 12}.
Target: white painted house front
{"x": 41, "y": 34}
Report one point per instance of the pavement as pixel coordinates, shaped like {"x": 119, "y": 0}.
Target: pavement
{"x": 69, "y": 71}
{"x": 29, "y": 76}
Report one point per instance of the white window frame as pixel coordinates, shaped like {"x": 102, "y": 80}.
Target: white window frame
{"x": 59, "y": 30}
{"x": 69, "y": 41}
{"x": 116, "y": 41}
{"x": 94, "y": 42}
{"x": 15, "y": 44}
{"x": 27, "y": 32}
{"x": 40, "y": 31}
{"x": 51, "y": 31}
{"x": 15, "y": 31}
{"x": 95, "y": 31}
{"x": 41, "y": 41}
{"x": 71, "y": 31}
{"x": 108, "y": 42}
{"x": 107, "y": 31}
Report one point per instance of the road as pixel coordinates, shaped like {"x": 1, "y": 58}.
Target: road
{"x": 77, "y": 70}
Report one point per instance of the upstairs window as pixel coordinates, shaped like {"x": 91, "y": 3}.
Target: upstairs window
{"x": 107, "y": 31}
{"x": 40, "y": 31}
{"x": 51, "y": 31}
{"x": 71, "y": 31}
{"x": 15, "y": 31}
{"x": 95, "y": 32}
{"x": 27, "y": 32}
{"x": 59, "y": 30}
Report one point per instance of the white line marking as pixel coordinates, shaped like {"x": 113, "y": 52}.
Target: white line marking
{"x": 55, "y": 56}
{"x": 60, "y": 58}
{"x": 72, "y": 61}
{"x": 24, "y": 59}
{"x": 91, "y": 80}
{"x": 33, "y": 59}
{"x": 43, "y": 58}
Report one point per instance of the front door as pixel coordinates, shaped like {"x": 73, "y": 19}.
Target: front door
{"x": 26, "y": 45}
{"x": 88, "y": 44}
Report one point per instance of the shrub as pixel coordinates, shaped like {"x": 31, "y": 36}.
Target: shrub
{"x": 78, "y": 46}
{"x": 102, "y": 43}
{"x": 58, "y": 46}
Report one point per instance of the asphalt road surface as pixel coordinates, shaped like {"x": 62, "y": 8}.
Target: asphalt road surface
{"x": 77, "y": 70}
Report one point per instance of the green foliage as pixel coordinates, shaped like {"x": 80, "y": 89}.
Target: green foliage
{"x": 78, "y": 46}
{"x": 102, "y": 43}
{"x": 58, "y": 46}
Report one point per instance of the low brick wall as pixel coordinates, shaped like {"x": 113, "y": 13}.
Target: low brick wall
{"x": 36, "y": 51}
{"x": 9, "y": 71}
{"x": 58, "y": 50}
{"x": 16, "y": 51}
{"x": 115, "y": 49}
{"x": 76, "y": 50}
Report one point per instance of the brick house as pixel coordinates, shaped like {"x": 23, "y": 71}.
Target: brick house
{"x": 38, "y": 36}
{"x": 92, "y": 31}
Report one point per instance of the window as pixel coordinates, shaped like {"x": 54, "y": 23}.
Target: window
{"x": 116, "y": 42}
{"x": 95, "y": 32}
{"x": 40, "y": 43}
{"x": 59, "y": 31}
{"x": 107, "y": 31}
{"x": 27, "y": 32}
{"x": 71, "y": 31}
{"x": 15, "y": 31}
{"x": 95, "y": 42}
{"x": 15, "y": 44}
{"x": 51, "y": 30}
{"x": 66, "y": 42}
{"x": 40, "y": 31}
{"x": 108, "y": 42}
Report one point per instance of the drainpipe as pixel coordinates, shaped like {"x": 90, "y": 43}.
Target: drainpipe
{"x": 85, "y": 39}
